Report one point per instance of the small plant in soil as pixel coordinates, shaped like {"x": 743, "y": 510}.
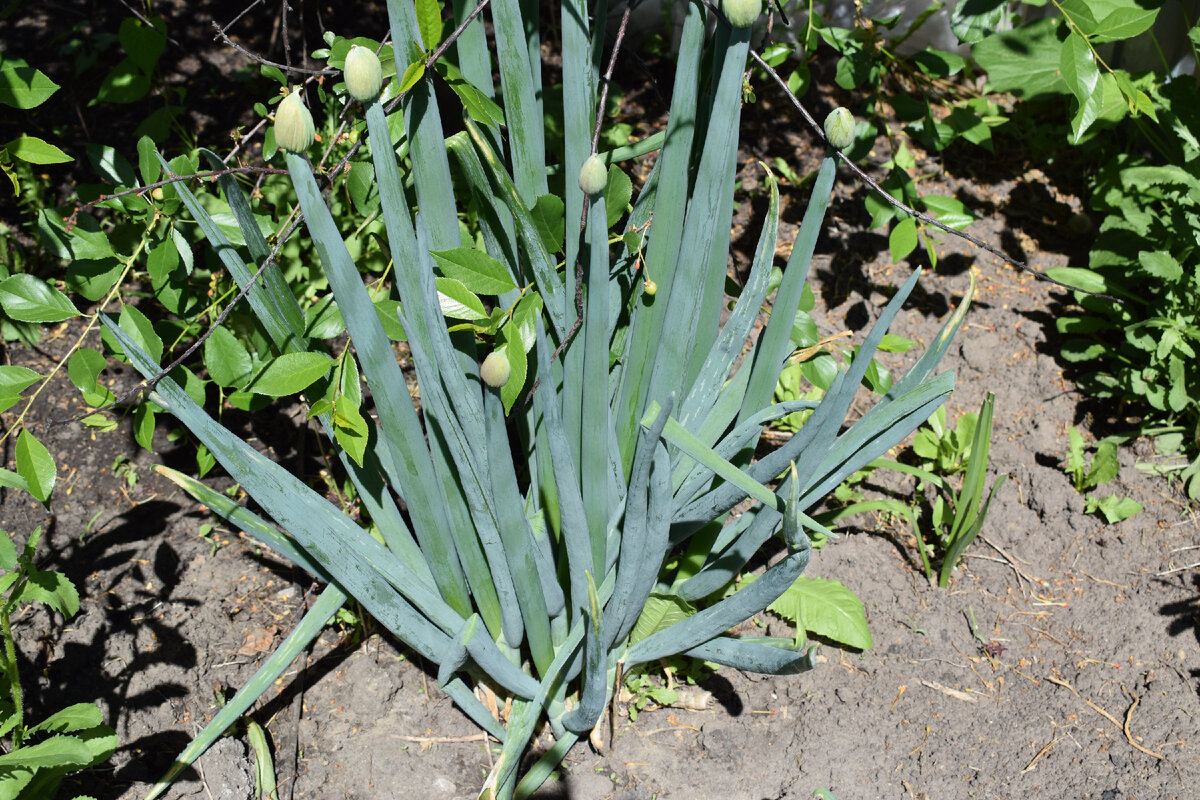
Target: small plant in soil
{"x": 38, "y": 756}
{"x": 956, "y": 515}
{"x": 1102, "y": 468}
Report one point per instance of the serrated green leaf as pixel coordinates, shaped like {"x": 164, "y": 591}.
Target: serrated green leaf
{"x": 141, "y": 330}
{"x": 825, "y": 608}
{"x": 1161, "y": 264}
{"x": 1025, "y": 61}
{"x": 226, "y": 358}
{"x": 290, "y": 373}
{"x": 148, "y": 164}
{"x": 412, "y": 75}
{"x": 458, "y": 302}
{"x": 14, "y": 380}
{"x": 478, "y": 105}
{"x": 84, "y": 241}
{"x": 475, "y": 269}
{"x": 515, "y": 352}
{"x": 143, "y": 426}
{"x": 77, "y": 717}
{"x": 1078, "y": 66}
{"x": 57, "y": 751}
{"x": 8, "y": 558}
{"x": 660, "y": 612}
{"x": 429, "y": 20}
{"x": 29, "y": 299}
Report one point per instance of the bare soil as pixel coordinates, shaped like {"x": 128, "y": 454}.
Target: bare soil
{"x": 1063, "y": 661}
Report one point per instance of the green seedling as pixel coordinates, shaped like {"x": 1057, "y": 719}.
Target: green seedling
{"x": 39, "y": 756}
{"x": 1102, "y": 469}
{"x": 944, "y": 450}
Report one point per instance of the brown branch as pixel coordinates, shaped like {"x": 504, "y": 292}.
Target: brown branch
{"x": 72, "y": 219}
{"x": 224, "y": 37}
{"x": 895, "y": 203}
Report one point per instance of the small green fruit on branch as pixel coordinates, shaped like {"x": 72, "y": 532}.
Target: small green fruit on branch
{"x": 593, "y": 175}
{"x": 742, "y": 13}
{"x": 294, "y": 129}
{"x": 839, "y": 128}
{"x": 363, "y": 73}
{"x": 495, "y": 369}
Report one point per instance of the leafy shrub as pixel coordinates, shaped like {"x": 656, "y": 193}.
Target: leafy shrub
{"x": 1143, "y": 349}
{"x": 573, "y": 518}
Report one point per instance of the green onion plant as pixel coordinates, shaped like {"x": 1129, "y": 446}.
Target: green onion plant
{"x": 523, "y": 520}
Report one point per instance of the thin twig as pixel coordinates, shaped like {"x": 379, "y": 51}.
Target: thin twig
{"x": 894, "y": 202}
{"x": 70, "y": 220}
{"x": 261, "y": 60}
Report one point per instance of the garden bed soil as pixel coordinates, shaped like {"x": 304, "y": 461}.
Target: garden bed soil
{"x": 1063, "y": 661}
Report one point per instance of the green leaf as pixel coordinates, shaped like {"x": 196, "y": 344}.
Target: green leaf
{"x": 478, "y": 105}
{"x": 83, "y": 369}
{"x": 617, "y": 192}
{"x": 1104, "y": 465}
{"x": 825, "y": 608}
{"x": 1025, "y": 62}
{"x": 25, "y": 87}
{"x": 141, "y": 330}
{"x": 1114, "y": 508}
{"x": 660, "y": 612}
{"x": 57, "y": 751}
{"x": 111, "y": 166}
{"x": 351, "y": 430}
{"x": 227, "y": 361}
{"x": 903, "y": 239}
{"x": 36, "y": 466}
{"x": 548, "y": 216}
{"x": 1085, "y": 279}
{"x": 412, "y": 74}
{"x": 948, "y": 210}
{"x": 36, "y": 151}
{"x": 515, "y": 352}
{"x": 14, "y": 380}
{"x": 148, "y": 161}
{"x": 1078, "y": 66}
{"x": 77, "y": 717}
{"x": 143, "y": 426}
{"x": 475, "y": 269}
{"x": 1124, "y": 23}
{"x": 386, "y": 310}
{"x": 142, "y": 43}
{"x": 290, "y": 373}
{"x": 1161, "y": 264}
{"x": 84, "y": 241}
{"x": 458, "y": 302}
{"x": 11, "y": 480}
{"x": 8, "y": 552}
{"x": 29, "y": 299}
{"x": 429, "y": 20}
{"x": 125, "y": 83}
{"x": 972, "y": 20}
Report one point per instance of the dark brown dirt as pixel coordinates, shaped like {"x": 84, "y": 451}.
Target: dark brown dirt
{"x": 1089, "y": 689}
